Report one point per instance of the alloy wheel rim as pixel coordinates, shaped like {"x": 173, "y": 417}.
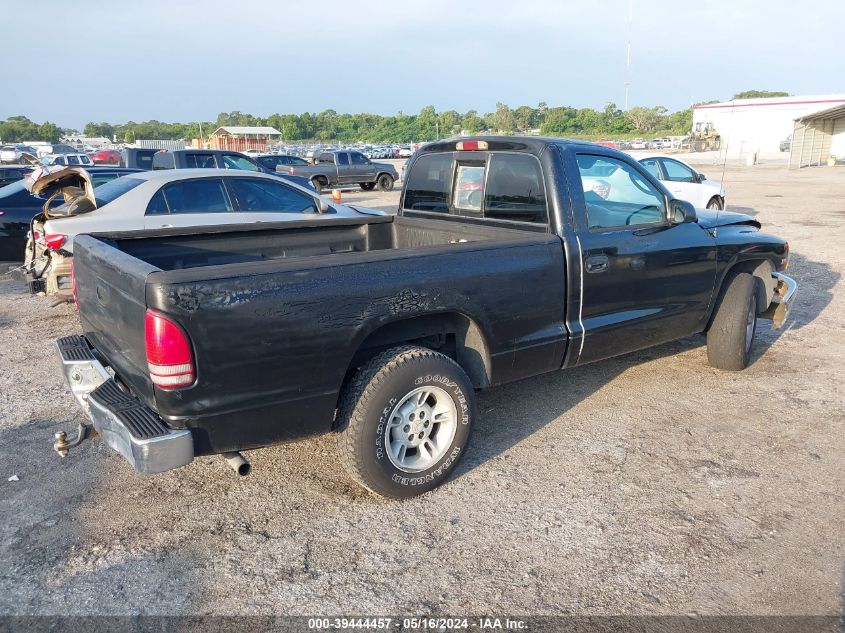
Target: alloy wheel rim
{"x": 420, "y": 429}
{"x": 749, "y": 323}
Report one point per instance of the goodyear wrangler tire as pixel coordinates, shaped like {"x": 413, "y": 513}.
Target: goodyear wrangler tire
{"x": 405, "y": 420}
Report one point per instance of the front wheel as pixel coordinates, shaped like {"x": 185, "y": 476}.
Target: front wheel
{"x": 405, "y": 420}
{"x": 385, "y": 182}
{"x": 367, "y": 186}
{"x": 731, "y": 333}
{"x": 715, "y": 204}
{"x": 317, "y": 183}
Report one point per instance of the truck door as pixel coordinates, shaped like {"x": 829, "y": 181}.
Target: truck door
{"x": 343, "y": 168}
{"x": 646, "y": 278}
{"x": 360, "y": 168}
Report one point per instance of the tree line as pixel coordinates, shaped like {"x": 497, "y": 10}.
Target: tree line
{"x": 427, "y": 125}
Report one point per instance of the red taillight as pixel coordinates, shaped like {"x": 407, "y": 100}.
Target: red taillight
{"x": 73, "y": 286}
{"x": 471, "y": 145}
{"x": 169, "y": 356}
{"x": 55, "y": 240}
{"x": 36, "y": 235}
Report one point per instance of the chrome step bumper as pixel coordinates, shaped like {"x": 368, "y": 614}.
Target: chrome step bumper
{"x": 125, "y": 423}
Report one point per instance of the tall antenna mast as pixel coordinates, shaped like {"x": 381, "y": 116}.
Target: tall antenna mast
{"x": 628, "y": 60}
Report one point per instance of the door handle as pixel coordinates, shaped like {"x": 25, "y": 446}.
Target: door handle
{"x": 166, "y": 226}
{"x": 597, "y": 264}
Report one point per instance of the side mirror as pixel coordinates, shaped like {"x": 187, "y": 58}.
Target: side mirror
{"x": 682, "y": 212}
{"x": 701, "y": 177}
{"x": 323, "y": 206}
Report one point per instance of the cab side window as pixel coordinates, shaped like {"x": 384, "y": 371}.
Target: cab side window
{"x": 617, "y": 195}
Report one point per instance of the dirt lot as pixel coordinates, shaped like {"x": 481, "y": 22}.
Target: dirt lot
{"x": 646, "y": 484}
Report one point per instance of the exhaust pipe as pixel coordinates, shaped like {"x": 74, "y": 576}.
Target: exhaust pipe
{"x": 238, "y": 463}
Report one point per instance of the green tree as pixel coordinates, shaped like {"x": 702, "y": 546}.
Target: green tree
{"x": 503, "y": 119}
{"x": 525, "y": 117}
{"x": 759, "y": 94}
{"x": 472, "y": 123}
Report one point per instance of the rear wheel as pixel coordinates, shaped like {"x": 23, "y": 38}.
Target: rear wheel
{"x": 318, "y": 184}
{"x": 368, "y": 186}
{"x": 385, "y": 182}
{"x": 731, "y": 333}
{"x": 405, "y": 420}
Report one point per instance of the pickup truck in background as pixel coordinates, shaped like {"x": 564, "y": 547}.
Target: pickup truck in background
{"x": 502, "y": 263}
{"x": 340, "y": 168}
{"x": 218, "y": 159}
{"x": 137, "y": 157}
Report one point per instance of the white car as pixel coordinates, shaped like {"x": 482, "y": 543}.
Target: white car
{"x": 638, "y": 143}
{"x": 167, "y": 198}
{"x": 70, "y": 160}
{"x": 684, "y": 182}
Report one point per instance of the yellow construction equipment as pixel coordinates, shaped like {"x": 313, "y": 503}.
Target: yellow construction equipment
{"x": 704, "y": 137}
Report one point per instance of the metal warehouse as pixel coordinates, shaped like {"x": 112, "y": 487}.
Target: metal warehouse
{"x": 819, "y": 139}
{"x": 749, "y": 126}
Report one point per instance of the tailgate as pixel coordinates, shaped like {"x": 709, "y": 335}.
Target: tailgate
{"x": 111, "y": 286}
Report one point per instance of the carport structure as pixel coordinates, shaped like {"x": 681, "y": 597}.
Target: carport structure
{"x": 816, "y": 137}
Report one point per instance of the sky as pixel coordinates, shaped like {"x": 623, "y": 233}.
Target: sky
{"x": 182, "y": 60}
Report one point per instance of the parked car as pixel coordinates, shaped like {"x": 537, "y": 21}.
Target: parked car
{"x": 638, "y": 143}
{"x": 271, "y": 162}
{"x": 18, "y": 206}
{"x": 219, "y": 159}
{"x": 70, "y": 160}
{"x": 13, "y": 173}
{"x": 381, "y": 328}
{"x": 685, "y": 182}
{"x": 16, "y": 154}
{"x": 105, "y": 157}
{"x": 341, "y": 168}
{"x": 607, "y": 143}
{"x": 786, "y": 144}
{"x": 157, "y": 199}
{"x": 137, "y": 157}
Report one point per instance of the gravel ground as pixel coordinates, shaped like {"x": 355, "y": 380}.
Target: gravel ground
{"x": 649, "y": 484}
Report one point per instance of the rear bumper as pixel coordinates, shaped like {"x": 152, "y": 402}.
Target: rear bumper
{"x": 785, "y": 290}
{"x": 124, "y": 422}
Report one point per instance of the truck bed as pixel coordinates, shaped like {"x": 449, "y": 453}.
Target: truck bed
{"x": 277, "y": 313}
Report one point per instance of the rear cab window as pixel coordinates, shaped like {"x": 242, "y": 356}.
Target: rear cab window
{"x": 489, "y": 185}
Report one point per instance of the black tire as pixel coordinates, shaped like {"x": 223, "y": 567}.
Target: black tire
{"x": 715, "y": 203}
{"x": 318, "y": 184}
{"x": 372, "y": 399}
{"x": 385, "y": 182}
{"x": 368, "y": 186}
{"x": 731, "y": 334}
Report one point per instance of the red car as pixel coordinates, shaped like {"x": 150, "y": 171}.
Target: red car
{"x": 607, "y": 143}
{"x": 105, "y": 157}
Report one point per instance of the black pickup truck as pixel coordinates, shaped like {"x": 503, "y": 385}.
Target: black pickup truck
{"x": 509, "y": 257}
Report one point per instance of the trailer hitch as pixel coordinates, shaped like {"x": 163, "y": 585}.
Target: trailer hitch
{"x": 61, "y": 444}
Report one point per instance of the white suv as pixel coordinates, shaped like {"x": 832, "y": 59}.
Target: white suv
{"x": 72, "y": 160}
